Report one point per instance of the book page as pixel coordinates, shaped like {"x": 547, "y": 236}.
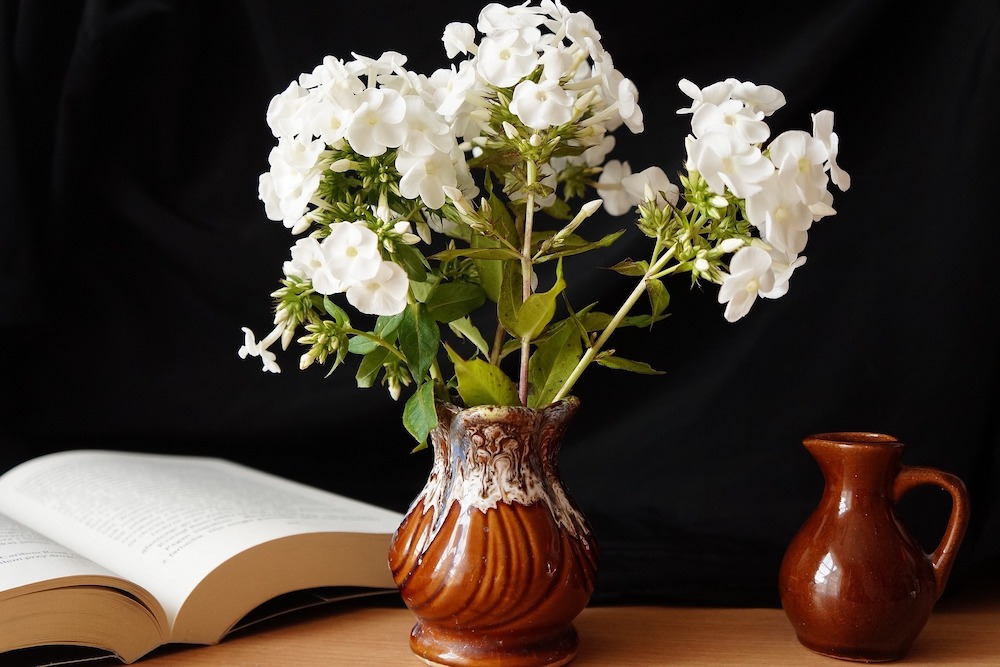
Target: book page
{"x": 28, "y": 557}
{"x": 166, "y": 521}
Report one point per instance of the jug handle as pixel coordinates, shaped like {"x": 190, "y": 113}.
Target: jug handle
{"x": 944, "y": 556}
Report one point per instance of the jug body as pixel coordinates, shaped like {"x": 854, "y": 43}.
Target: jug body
{"x": 854, "y": 583}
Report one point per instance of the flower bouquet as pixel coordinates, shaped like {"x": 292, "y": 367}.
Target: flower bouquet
{"x": 432, "y": 213}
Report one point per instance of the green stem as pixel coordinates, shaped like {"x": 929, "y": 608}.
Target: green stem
{"x": 626, "y": 307}
{"x": 529, "y": 216}
{"x": 497, "y": 345}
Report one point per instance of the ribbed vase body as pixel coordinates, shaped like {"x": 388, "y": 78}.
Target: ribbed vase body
{"x": 493, "y": 557}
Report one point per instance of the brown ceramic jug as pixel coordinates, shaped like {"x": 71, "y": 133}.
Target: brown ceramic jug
{"x": 853, "y": 582}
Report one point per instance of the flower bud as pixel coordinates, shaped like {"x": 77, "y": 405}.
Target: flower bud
{"x": 341, "y": 165}
{"x": 286, "y": 337}
{"x": 591, "y": 207}
{"x": 731, "y": 245}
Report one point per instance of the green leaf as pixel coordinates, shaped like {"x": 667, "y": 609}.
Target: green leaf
{"x": 361, "y": 345}
{"x": 619, "y": 363}
{"x": 411, "y": 260}
{"x": 338, "y": 314}
{"x": 659, "y": 297}
{"x": 450, "y": 301}
{"x": 477, "y": 253}
{"x": 509, "y": 301}
{"x": 552, "y": 363}
{"x": 385, "y": 329}
{"x": 481, "y": 383}
{"x": 537, "y": 311}
{"x": 421, "y": 290}
{"x": 370, "y": 366}
{"x": 419, "y": 337}
{"x": 576, "y": 249}
{"x": 490, "y": 270}
{"x": 628, "y": 267}
{"x": 463, "y": 326}
{"x": 419, "y": 416}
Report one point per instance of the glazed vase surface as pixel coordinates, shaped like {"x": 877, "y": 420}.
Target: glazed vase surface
{"x": 854, "y": 583}
{"x": 493, "y": 557}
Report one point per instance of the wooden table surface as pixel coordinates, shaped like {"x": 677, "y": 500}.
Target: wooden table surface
{"x": 963, "y": 630}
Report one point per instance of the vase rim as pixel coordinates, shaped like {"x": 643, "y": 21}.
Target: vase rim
{"x": 458, "y": 409}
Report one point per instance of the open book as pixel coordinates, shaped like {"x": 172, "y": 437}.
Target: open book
{"x": 126, "y": 552}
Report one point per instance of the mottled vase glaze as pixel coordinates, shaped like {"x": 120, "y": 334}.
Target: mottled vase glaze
{"x": 853, "y": 582}
{"x": 493, "y": 557}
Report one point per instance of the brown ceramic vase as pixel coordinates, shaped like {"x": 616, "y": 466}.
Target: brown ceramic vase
{"x": 853, "y": 582}
{"x": 493, "y": 557}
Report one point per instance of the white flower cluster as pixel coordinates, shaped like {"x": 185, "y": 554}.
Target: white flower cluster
{"x": 784, "y": 184}
{"x": 372, "y": 157}
{"x": 377, "y": 105}
{"x": 366, "y": 108}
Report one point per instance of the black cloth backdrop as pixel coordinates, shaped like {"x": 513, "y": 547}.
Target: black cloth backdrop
{"x": 133, "y": 248}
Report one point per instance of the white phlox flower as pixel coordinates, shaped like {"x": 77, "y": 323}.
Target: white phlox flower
{"x": 283, "y": 112}
{"x": 390, "y": 62}
{"x": 724, "y": 161}
{"x": 580, "y": 29}
{"x": 800, "y": 159}
{"x": 782, "y": 266}
{"x": 331, "y": 72}
{"x": 717, "y": 93}
{"x": 763, "y": 99}
{"x": 308, "y": 261}
{"x": 351, "y": 252}
{"x": 542, "y": 105}
{"x": 329, "y": 122}
{"x": 299, "y": 153}
{"x": 651, "y": 179}
{"x": 620, "y": 97}
{"x": 556, "y": 63}
{"x": 378, "y": 123}
{"x": 459, "y": 38}
{"x": 252, "y": 348}
{"x": 496, "y": 18}
{"x": 617, "y": 201}
{"x": 730, "y": 117}
{"x": 451, "y": 88}
{"x": 382, "y": 294}
{"x": 749, "y": 275}
{"x": 505, "y": 59}
{"x": 824, "y": 207}
{"x": 426, "y": 132}
{"x": 823, "y": 130}
{"x": 596, "y": 154}
{"x": 425, "y": 176}
{"x": 289, "y": 185}
{"x": 777, "y": 210}
{"x": 628, "y": 105}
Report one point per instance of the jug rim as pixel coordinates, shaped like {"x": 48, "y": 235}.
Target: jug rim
{"x": 852, "y": 438}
